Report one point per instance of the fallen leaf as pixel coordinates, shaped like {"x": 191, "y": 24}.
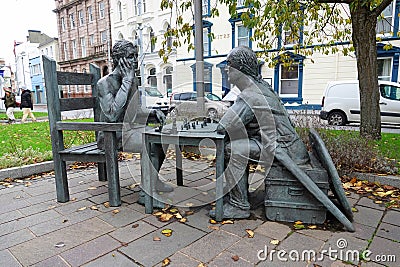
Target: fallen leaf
{"x": 83, "y": 208}
{"x": 92, "y": 188}
{"x": 51, "y": 207}
{"x": 64, "y": 221}
{"x": 59, "y": 245}
{"x": 183, "y": 220}
{"x": 94, "y": 207}
{"x": 312, "y": 227}
{"x": 74, "y": 199}
{"x": 158, "y": 213}
{"x": 156, "y": 238}
{"x": 201, "y": 265}
{"x": 167, "y": 232}
{"x": 274, "y": 242}
{"x": 189, "y": 212}
{"x": 354, "y": 209}
{"x": 298, "y": 222}
{"x": 124, "y": 244}
{"x": 227, "y": 222}
{"x": 213, "y": 227}
{"x": 28, "y": 184}
{"x": 212, "y": 221}
{"x": 174, "y": 210}
{"x": 166, "y": 262}
{"x": 136, "y": 225}
{"x": 106, "y": 204}
{"x": 299, "y": 226}
{"x": 190, "y": 204}
{"x": 166, "y": 217}
{"x": 235, "y": 258}
{"x": 353, "y": 180}
{"x": 113, "y": 255}
{"x": 178, "y": 216}
{"x": 250, "y": 233}
{"x": 378, "y": 201}
{"x": 115, "y": 211}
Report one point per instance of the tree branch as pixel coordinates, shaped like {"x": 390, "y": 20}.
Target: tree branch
{"x": 334, "y": 1}
{"x": 379, "y": 9}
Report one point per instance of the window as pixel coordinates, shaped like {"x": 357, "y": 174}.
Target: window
{"x": 91, "y": 39}
{"x": 35, "y": 69}
{"x": 205, "y": 7}
{"x": 135, "y": 8}
{"x": 390, "y": 92}
{"x": 74, "y": 53}
{"x": 243, "y": 35}
{"x": 207, "y": 76}
{"x": 151, "y": 78}
{"x": 65, "y": 47}
{"x": 86, "y": 87}
{"x": 152, "y": 42}
{"x": 83, "y": 46}
{"x": 167, "y": 80}
{"x": 206, "y": 42}
{"x": 240, "y": 3}
{"x": 103, "y": 36}
{"x": 63, "y": 28}
{"x": 81, "y": 18}
{"x": 385, "y": 22}
{"x": 120, "y": 10}
{"x": 101, "y": 10}
{"x": 384, "y": 69}
{"x": 51, "y": 51}
{"x": 143, "y": 6}
{"x": 289, "y": 80}
{"x": 47, "y": 51}
{"x": 90, "y": 14}
{"x": 289, "y": 37}
{"x": 72, "y": 20}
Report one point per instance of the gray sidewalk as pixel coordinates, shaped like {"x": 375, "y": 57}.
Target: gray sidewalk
{"x": 35, "y": 230}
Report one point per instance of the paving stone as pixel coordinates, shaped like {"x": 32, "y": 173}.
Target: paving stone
{"x": 124, "y": 217}
{"x": 367, "y": 216}
{"x": 36, "y": 208}
{"x": 132, "y": 231}
{"x": 384, "y": 248}
{"x": 13, "y": 226}
{"x": 114, "y": 258}
{"x": 210, "y": 246}
{"x": 147, "y": 252}
{"x": 277, "y": 263}
{"x": 10, "y": 216}
{"x": 366, "y": 202}
{"x": 9, "y": 206}
{"x": 200, "y": 220}
{"x": 40, "y": 189}
{"x": 73, "y": 206}
{"x": 252, "y": 249}
{"x": 43, "y": 198}
{"x": 62, "y": 222}
{"x": 6, "y": 259}
{"x": 273, "y": 230}
{"x": 181, "y": 260}
{"x": 153, "y": 220}
{"x": 371, "y": 264}
{"x": 99, "y": 199}
{"x": 300, "y": 243}
{"x": 319, "y": 234}
{"x": 15, "y": 238}
{"x": 6, "y": 194}
{"x": 225, "y": 259}
{"x": 90, "y": 250}
{"x": 55, "y": 261}
{"x": 180, "y": 194}
{"x": 389, "y": 231}
{"x": 239, "y": 226}
{"x": 344, "y": 244}
{"x": 392, "y": 217}
{"x": 325, "y": 261}
{"x": 363, "y": 231}
{"x": 43, "y": 246}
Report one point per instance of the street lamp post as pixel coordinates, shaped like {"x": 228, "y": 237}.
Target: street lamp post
{"x": 199, "y": 55}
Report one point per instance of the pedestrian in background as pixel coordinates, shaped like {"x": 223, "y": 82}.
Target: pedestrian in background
{"x": 10, "y": 103}
{"x": 26, "y": 104}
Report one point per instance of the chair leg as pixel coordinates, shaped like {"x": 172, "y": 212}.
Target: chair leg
{"x": 114, "y": 193}
{"x": 60, "y": 172}
{"x": 102, "y": 172}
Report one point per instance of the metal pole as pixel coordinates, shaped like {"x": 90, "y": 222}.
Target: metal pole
{"x": 141, "y": 53}
{"x": 199, "y": 55}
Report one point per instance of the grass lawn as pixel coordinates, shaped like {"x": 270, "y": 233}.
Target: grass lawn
{"x": 18, "y": 114}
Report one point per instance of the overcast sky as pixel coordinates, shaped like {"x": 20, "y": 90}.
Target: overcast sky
{"x": 19, "y": 16}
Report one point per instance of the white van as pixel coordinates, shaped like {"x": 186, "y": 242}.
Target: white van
{"x": 341, "y": 102}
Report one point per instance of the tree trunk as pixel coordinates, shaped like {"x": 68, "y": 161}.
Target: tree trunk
{"x": 364, "y": 41}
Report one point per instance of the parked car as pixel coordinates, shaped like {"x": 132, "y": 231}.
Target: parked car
{"x": 155, "y": 100}
{"x": 185, "y": 104}
{"x": 341, "y": 102}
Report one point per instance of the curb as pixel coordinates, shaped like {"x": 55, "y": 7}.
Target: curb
{"x": 26, "y": 170}
{"x": 391, "y": 180}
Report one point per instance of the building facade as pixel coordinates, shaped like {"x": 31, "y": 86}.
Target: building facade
{"x": 300, "y": 85}
{"x": 84, "y": 38}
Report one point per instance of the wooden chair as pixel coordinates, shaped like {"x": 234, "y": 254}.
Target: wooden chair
{"x": 107, "y": 159}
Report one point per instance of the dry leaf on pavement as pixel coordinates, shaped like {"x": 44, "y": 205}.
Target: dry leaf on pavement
{"x": 166, "y": 262}
{"x": 167, "y": 232}
{"x": 250, "y": 233}
{"x": 274, "y": 242}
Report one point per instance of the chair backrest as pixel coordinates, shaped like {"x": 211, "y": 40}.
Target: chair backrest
{"x": 54, "y": 79}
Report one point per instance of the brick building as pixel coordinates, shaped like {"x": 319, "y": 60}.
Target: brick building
{"x": 84, "y": 38}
